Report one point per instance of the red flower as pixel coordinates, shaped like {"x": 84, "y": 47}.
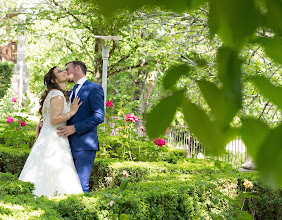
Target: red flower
{"x": 160, "y": 142}
{"x": 14, "y": 99}
{"x": 109, "y": 104}
{"x": 131, "y": 117}
{"x": 10, "y": 119}
{"x": 22, "y": 123}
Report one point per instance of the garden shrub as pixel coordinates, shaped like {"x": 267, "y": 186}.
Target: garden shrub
{"x": 6, "y": 71}
{"x": 10, "y": 185}
{"x": 30, "y": 134}
{"x": 156, "y": 190}
{"x": 78, "y": 207}
{"x": 12, "y": 160}
{"x": 268, "y": 202}
{"x": 113, "y": 147}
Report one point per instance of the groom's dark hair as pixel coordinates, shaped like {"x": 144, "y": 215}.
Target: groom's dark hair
{"x": 79, "y": 63}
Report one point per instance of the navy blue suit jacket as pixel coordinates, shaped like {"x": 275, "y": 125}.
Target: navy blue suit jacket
{"x": 88, "y": 117}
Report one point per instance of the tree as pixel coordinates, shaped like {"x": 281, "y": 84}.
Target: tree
{"x": 237, "y": 23}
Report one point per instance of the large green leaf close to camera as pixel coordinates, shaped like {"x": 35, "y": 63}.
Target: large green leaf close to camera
{"x": 216, "y": 101}
{"x": 235, "y": 21}
{"x": 274, "y": 15}
{"x": 268, "y": 90}
{"x": 210, "y": 135}
{"x": 254, "y": 132}
{"x": 162, "y": 114}
{"x": 272, "y": 47}
{"x": 269, "y": 158}
{"x": 229, "y": 73}
{"x": 173, "y": 75}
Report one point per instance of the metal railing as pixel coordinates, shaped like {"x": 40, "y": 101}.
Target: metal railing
{"x": 180, "y": 137}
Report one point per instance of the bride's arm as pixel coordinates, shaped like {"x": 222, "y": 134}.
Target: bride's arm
{"x": 56, "y": 110}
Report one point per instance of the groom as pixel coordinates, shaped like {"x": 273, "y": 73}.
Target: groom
{"x": 82, "y": 127}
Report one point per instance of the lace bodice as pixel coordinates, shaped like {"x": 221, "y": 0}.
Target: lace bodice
{"x": 46, "y": 108}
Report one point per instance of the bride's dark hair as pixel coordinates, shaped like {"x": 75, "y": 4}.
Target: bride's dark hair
{"x": 50, "y": 83}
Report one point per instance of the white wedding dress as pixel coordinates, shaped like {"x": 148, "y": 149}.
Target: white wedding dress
{"x": 50, "y": 164}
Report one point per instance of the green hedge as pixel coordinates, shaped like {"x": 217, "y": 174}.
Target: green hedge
{"x": 12, "y": 160}
{"x": 6, "y": 71}
{"x": 156, "y": 191}
{"x": 144, "y": 200}
{"x": 161, "y": 189}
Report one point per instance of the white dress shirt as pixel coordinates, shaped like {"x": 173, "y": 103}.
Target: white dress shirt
{"x": 80, "y": 83}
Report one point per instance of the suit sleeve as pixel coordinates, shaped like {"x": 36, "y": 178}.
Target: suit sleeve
{"x": 97, "y": 108}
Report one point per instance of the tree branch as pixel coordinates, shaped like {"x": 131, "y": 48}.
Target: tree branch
{"x": 127, "y": 68}
{"x": 73, "y": 16}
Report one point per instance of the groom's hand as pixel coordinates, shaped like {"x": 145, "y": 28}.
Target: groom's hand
{"x": 65, "y": 131}
{"x": 38, "y": 128}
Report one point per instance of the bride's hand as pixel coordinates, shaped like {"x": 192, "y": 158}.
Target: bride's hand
{"x": 75, "y": 105}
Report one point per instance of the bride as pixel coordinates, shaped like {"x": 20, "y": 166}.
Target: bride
{"x": 50, "y": 164}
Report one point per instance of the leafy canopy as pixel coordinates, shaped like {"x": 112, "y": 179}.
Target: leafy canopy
{"x": 236, "y": 22}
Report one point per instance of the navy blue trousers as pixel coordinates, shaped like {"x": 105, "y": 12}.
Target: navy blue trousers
{"x": 84, "y": 161}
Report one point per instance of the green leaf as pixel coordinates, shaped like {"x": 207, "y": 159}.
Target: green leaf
{"x": 235, "y": 21}
{"x": 273, "y": 16}
{"x": 247, "y": 195}
{"x": 254, "y": 132}
{"x": 173, "y": 75}
{"x": 268, "y": 90}
{"x": 123, "y": 217}
{"x": 229, "y": 73}
{"x": 215, "y": 99}
{"x": 123, "y": 184}
{"x": 203, "y": 128}
{"x": 269, "y": 158}
{"x": 162, "y": 114}
{"x": 272, "y": 47}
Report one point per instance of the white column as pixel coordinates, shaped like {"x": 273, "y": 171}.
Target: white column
{"x": 105, "y": 54}
{"x": 20, "y": 66}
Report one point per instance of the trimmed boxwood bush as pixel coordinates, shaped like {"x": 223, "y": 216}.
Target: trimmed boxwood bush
{"x": 12, "y": 160}
{"x": 169, "y": 187}
{"x": 164, "y": 193}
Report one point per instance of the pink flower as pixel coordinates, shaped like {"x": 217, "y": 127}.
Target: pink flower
{"x": 131, "y": 117}
{"x": 14, "y": 99}
{"x": 22, "y": 123}
{"x": 109, "y": 104}
{"x": 160, "y": 142}
{"x": 10, "y": 119}
{"x": 143, "y": 129}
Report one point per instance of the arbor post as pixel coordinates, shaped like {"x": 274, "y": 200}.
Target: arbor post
{"x": 105, "y": 55}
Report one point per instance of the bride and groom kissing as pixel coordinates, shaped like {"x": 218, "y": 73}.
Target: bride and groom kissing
{"x": 61, "y": 159}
